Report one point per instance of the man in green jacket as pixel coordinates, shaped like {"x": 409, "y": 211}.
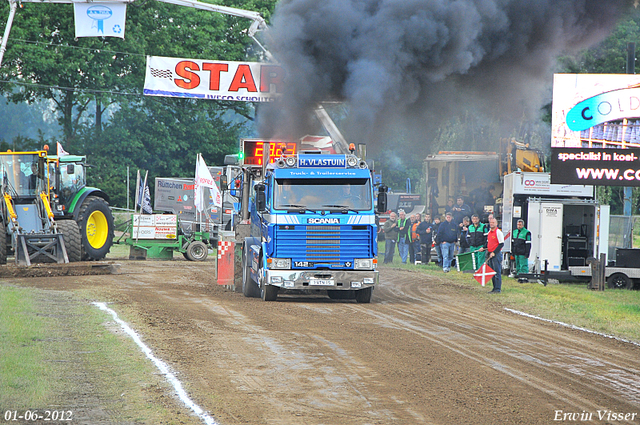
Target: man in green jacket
{"x": 477, "y": 238}
{"x": 521, "y": 247}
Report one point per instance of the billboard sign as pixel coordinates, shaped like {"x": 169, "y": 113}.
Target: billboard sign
{"x": 594, "y": 116}
{"x": 596, "y": 111}
{"x": 214, "y": 80}
{"x": 601, "y": 167}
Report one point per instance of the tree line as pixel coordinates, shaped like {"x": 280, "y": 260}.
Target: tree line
{"x": 91, "y": 88}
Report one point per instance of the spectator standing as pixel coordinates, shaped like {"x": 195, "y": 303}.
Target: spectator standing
{"x": 480, "y": 197}
{"x": 425, "y": 233}
{"x": 477, "y": 237}
{"x": 495, "y": 242}
{"x": 447, "y": 238}
{"x": 460, "y": 210}
{"x": 404, "y": 236}
{"x": 436, "y": 227}
{"x": 390, "y": 229}
{"x": 521, "y": 247}
{"x": 464, "y": 240}
{"x": 414, "y": 249}
{"x": 449, "y": 207}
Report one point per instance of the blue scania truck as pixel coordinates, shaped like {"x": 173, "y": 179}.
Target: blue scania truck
{"x": 313, "y": 228}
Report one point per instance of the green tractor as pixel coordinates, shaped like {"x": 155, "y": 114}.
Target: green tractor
{"x": 28, "y": 230}
{"x": 72, "y": 199}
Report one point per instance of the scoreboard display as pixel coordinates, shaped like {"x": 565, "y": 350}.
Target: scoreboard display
{"x": 253, "y": 150}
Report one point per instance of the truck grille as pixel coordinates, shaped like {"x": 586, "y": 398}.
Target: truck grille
{"x": 323, "y": 244}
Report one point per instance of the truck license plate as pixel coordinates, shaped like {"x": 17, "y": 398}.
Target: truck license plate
{"x": 321, "y": 282}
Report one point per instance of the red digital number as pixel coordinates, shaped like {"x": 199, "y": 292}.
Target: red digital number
{"x": 254, "y": 151}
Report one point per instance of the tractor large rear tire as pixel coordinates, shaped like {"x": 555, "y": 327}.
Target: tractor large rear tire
{"x": 71, "y": 234}
{"x": 96, "y": 228}
{"x": 3, "y": 242}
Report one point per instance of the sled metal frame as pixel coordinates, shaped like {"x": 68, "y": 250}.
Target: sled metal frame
{"x": 53, "y": 249}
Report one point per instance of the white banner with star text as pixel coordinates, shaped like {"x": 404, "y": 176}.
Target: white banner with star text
{"x": 215, "y": 80}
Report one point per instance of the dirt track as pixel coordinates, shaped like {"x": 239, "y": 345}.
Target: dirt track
{"x": 424, "y": 351}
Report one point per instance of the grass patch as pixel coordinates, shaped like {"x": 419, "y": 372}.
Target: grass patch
{"x": 58, "y": 351}
{"x": 614, "y": 312}
{"x": 25, "y": 379}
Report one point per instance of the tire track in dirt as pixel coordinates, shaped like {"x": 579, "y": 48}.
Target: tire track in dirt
{"x": 421, "y": 352}
{"x": 556, "y": 356}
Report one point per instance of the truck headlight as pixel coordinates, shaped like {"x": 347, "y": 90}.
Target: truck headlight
{"x": 290, "y": 161}
{"x": 279, "y": 263}
{"x": 352, "y": 161}
{"x": 363, "y": 264}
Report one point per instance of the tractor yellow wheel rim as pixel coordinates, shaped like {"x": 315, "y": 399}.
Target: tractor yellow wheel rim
{"x": 97, "y": 229}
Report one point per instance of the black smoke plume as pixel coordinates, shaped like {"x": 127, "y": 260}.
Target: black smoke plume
{"x": 410, "y": 63}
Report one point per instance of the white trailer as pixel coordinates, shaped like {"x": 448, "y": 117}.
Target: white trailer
{"x": 566, "y": 222}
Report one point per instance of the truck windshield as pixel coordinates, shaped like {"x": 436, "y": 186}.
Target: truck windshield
{"x": 322, "y": 194}
{"x": 22, "y": 173}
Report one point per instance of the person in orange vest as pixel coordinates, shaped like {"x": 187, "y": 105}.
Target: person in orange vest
{"x": 414, "y": 248}
{"x": 495, "y": 242}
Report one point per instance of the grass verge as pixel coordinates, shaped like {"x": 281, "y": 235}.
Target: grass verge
{"x": 613, "y": 312}
{"x": 57, "y": 351}
{"x": 25, "y": 379}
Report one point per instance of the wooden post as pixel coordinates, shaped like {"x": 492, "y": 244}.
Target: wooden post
{"x": 603, "y": 272}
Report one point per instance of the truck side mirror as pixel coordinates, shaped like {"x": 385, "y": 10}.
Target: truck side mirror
{"x": 261, "y": 198}
{"x": 71, "y": 169}
{"x": 224, "y": 184}
{"x": 382, "y": 198}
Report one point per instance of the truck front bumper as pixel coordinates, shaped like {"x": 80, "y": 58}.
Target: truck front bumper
{"x": 322, "y": 279}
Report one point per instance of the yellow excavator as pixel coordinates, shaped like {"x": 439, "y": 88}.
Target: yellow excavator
{"x": 518, "y": 156}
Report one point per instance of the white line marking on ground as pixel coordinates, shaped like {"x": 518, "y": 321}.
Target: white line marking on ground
{"x": 521, "y": 313}
{"x": 162, "y": 366}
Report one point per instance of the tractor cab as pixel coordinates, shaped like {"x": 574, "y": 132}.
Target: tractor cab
{"x": 68, "y": 178}
{"x": 23, "y": 174}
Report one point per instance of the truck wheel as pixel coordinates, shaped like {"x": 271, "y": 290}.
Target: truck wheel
{"x": 71, "y": 235}
{"x": 363, "y": 296}
{"x": 197, "y": 251}
{"x": 268, "y": 292}
{"x": 96, "y": 228}
{"x": 249, "y": 286}
{"x": 619, "y": 281}
{"x": 3, "y": 243}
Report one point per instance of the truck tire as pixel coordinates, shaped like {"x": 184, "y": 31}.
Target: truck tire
{"x": 619, "y": 281}
{"x": 249, "y": 286}
{"x": 3, "y": 243}
{"x": 197, "y": 251}
{"x": 96, "y": 228}
{"x": 268, "y": 292}
{"x": 72, "y": 240}
{"x": 363, "y": 296}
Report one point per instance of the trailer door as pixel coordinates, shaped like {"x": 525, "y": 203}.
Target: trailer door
{"x": 545, "y": 225}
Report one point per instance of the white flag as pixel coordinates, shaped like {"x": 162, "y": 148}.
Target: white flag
{"x": 143, "y": 198}
{"x": 100, "y": 19}
{"x": 204, "y": 179}
{"x": 60, "y": 151}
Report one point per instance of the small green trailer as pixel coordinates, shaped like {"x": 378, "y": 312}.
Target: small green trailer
{"x": 158, "y": 236}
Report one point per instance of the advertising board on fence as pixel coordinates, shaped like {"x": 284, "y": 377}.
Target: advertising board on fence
{"x": 595, "y": 119}
{"x": 215, "y": 80}
{"x": 154, "y": 226}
